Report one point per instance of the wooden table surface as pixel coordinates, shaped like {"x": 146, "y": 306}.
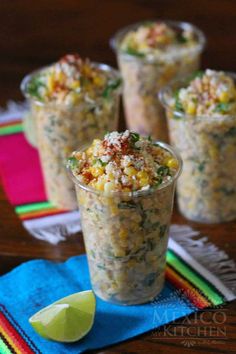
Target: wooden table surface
{"x": 34, "y": 34}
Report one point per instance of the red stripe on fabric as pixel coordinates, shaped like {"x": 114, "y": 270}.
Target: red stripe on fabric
{"x": 191, "y": 293}
{"x": 40, "y": 215}
{"x": 8, "y": 124}
{"x": 15, "y": 337}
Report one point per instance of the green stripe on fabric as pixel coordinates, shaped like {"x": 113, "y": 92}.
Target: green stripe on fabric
{"x": 194, "y": 278}
{"x": 11, "y": 129}
{"x": 3, "y": 348}
{"x": 21, "y": 209}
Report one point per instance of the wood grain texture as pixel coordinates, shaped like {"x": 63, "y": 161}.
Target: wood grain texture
{"x": 34, "y": 34}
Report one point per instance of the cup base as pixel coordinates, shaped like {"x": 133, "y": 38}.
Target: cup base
{"x": 131, "y": 302}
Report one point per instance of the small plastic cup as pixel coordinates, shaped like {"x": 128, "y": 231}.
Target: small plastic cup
{"x": 60, "y": 129}
{"x": 206, "y": 190}
{"x": 143, "y": 78}
{"x": 126, "y": 236}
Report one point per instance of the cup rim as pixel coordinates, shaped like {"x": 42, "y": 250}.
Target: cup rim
{"x": 169, "y": 89}
{"x": 102, "y": 66}
{"x": 174, "y": 151}
{"x": 199, "y": 47}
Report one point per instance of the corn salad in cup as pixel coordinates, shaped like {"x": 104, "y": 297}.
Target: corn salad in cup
{"x": 150, "y": 54}
{"x": 125, "y": 186}
{"x": 72, "y": 101}
{"x": 202, "y": 124}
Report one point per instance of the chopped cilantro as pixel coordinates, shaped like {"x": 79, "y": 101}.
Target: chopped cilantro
{"x": 163, "y": 171}
{"x": 222, "y": 107}
{"x": 34, "y": 85}
{"x": 132, "y": 51}
{"x": 178, "y": 105}
{"x": 112, "y": 85}
{"x": 134, "y": 137}
{"x": 127, "y": 205}
{"x": 72, "y": 161}
{"x": 201, "y": 166}
{"x": 100, "y": 162}
{"x": 181, "y": 38}
{"x": 231, "y": 132}
{"x": 158, "y": 182}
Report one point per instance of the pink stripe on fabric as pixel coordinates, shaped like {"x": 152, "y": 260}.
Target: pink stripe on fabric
{"x": 20, "y": 170}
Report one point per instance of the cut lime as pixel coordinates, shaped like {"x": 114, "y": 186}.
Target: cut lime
{"x": 68, "y": 319}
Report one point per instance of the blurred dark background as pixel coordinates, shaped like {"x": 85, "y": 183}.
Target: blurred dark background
{"x": 35, "y": 33}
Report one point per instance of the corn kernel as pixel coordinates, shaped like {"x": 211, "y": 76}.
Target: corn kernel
{"x": 96, "y": 171}
{"x": 142, "y": 174}
{"x": 123, "y": 234}
{"x": 98, "y": 81}
{"x": 120, "y": 253}
{"x": 100, "y": 185}
{"x": 224, "y": 97}
{"x": 51, "y": 83}
{"x": 143, "y": 182}
{"x": 172, "y": 163}
{"x": 213, "y": 152}
{"x": 130, "y": 171}
{"x": 75, "y": 84}
{"x": 191, "y": 108}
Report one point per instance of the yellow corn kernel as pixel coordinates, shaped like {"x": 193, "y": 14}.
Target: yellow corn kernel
{"x": 99, "y": 185}
{"x": 126, "y": 189}
{"x": 123, "y": 234}
{"x": 191, "y": 108}
{"x": 96, "y": 171}
{"x": 172, "y": 163}
{"x": 51, "y": 83}
{"x": 224, "y": 97}
{"x": 142, "y": 174}
{"x": 213, "y": 152}
{"x": 98, "y": 81}
{"x": 130, "y": 171}
{"x": 143, "y": 182}
{"x": 120, "y": 253}
{"x": 89, "y": 151}
{"x": 75, "y": 84}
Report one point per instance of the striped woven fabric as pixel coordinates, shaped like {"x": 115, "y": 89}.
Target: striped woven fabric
{"x": 13, "y": 340}
{"x": 39, "y": 216}
{"x": 190, "y": 287}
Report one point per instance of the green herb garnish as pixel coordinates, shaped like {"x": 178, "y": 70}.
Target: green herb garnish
{"x": 163, "y": 171}
{"x": 181, "y": 39}
{"x": 34, "y": 85}
{"x": 158, "y": 182}
{"x": 201, "y": 166}
{"x": 178, "y": 105}
{"x": 102, "y": 163}
{"x": 231, "y": 132}
{"x": 198, "y": 73}
{"x": 127, "y": 205}
{"x": 134, "y": 137}
{"x": 132, "y": 51}
{"x": 222, "y": 107}
{"x": 111, "y": 86}
{"x": 72, "y": 161}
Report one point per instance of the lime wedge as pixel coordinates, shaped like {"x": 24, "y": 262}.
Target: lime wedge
{"x": 68, "y": 319}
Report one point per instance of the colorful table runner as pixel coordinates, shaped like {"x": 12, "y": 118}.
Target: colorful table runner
{"x": 22, "y": 180}
{"x": 198, "y": 274}
{"x": 190, "y": 286}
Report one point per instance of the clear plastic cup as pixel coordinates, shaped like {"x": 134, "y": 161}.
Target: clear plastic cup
{"x": 60, "y": 129}
{"x": 126, "y": 236}
{"x": 206, "y": 190}
{"x": 143, "y": 78}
